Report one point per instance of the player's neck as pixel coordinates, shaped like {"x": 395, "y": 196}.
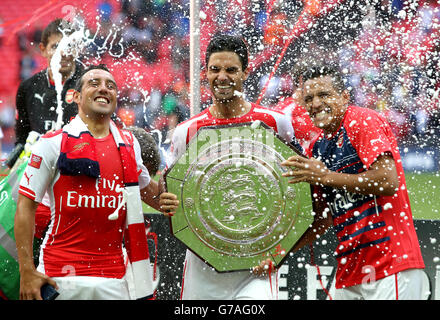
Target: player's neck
{"x": 230, "y": 109}
{"x": 98, "y": 127}
{"x": 334, "y": 127}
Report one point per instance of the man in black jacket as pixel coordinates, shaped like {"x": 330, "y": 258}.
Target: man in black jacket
{"x": 36, "y": 103}
{"x": 36, "y": 99}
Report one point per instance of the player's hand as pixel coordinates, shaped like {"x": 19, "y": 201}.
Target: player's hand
{"x": 168, "y": 203}
{"x": 264, "y": 269}
{"x": 309, "y": 170}
{"x": 31, "y": 282}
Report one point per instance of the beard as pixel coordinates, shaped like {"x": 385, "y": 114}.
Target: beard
{"x": 228, "y": 96}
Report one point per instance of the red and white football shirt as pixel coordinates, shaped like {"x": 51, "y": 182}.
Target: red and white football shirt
{"x": 305, "y": 130}
{"x": 376, "y": 233}
{"x": 187, "y": 129}
{"x": 81, "y": 240}
{"x": 200, "y": 280}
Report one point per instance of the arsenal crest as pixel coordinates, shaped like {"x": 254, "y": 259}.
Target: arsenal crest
{"x": 340, "y": 141}
{"x": 69, "y": 96}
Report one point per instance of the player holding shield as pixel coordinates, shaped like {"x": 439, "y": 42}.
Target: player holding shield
{"x": 356, "y": 170}
{"x": 226, "y": 71}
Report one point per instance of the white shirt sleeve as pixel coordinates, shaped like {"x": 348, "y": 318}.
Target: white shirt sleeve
{"x": 41, "y": 168}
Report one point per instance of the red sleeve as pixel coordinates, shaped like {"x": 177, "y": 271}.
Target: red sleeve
{"x": 304, "y": 128}
{"x": 369, "y": 133}
{"x": 309, "y": 150}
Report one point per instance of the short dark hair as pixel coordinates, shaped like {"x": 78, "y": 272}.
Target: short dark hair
{"x": 224, "y": 42}
{"x": 325, "y": 70}
{"x": 79, "y": 82}
{"x": 149, "y": 150}
{"x": 297, "y": 74}
{"x": 58, "y": 26}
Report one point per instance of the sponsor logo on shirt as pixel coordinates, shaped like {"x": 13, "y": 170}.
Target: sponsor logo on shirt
{"x": 35, "y": 161}
{"x": 106, "y": 197}
{"x": 344, "y": 201}
{"x": 40, "y": 97}
{"x": 49, "y": 124}
{"x": 28, "y": 178}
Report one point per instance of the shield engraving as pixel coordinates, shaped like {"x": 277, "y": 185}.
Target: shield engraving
{"x": 236, "y": 209}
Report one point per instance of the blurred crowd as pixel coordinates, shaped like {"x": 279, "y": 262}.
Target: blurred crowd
{"x": 392, "y": 65}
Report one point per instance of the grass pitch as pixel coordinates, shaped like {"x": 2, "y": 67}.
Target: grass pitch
{"x": 424, "y": 194}
{"x": 423, "y": 191}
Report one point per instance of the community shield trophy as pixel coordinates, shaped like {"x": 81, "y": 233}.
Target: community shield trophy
{"x": 235, "y": 208}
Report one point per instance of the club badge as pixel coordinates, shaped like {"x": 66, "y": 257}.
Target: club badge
{"x": 69, "y": 96}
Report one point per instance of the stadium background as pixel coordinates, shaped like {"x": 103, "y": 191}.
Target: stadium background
{"x": 389, "y": 51}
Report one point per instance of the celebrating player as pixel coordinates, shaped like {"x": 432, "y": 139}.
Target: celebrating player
{"x": 226, "y": 71}
{"x": 357, "y": 174}
{"x": 95, "y": 203}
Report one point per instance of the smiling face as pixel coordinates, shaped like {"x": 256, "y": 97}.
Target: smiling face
{"x": 326, "y": 104}
{"x": 225, "y": 76}
{"x": 98, "y": 96}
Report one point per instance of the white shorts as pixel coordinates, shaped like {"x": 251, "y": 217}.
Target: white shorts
{"x": 92, "y": 288}
{"x": 411, "y": 284}
{"x": 201, "y": 282}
